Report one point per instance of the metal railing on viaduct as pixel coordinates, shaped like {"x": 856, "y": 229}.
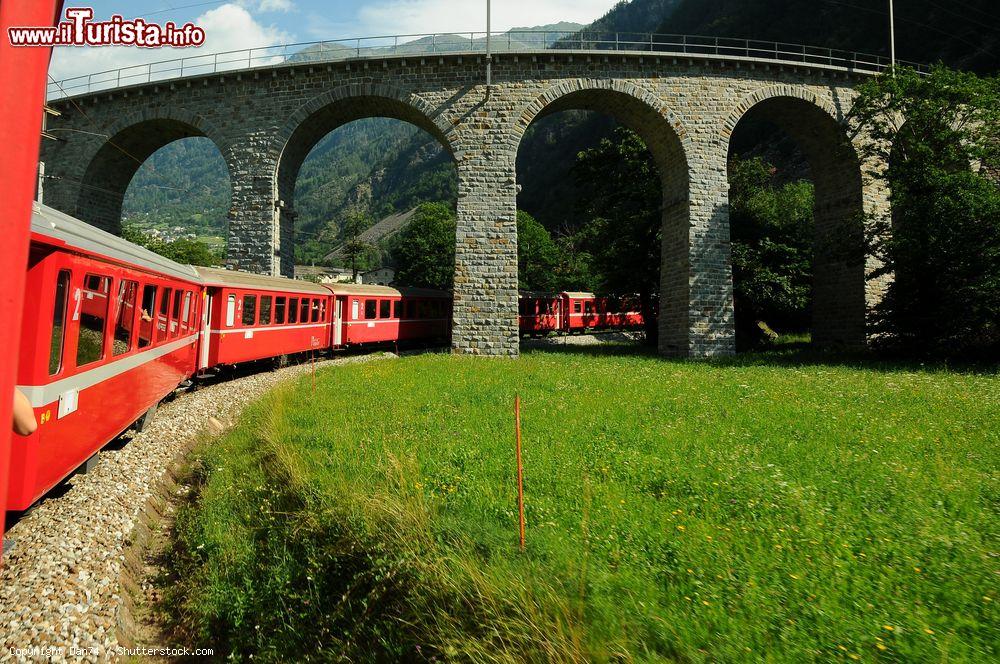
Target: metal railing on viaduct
{"x": 473, "y": 43}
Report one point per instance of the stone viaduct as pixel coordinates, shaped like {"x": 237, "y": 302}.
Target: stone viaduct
{"x": 265, "y": 121}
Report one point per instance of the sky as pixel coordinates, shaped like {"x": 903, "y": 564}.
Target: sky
{"x": 232, "y": 25}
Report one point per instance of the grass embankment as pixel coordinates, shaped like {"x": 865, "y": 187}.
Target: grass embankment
{"x": 757, "y": 508}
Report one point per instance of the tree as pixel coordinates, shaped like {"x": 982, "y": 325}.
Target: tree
{"x": 941, "y": 240}
{"x": 183, "y": 250}
{"x": 357, "y": 252}
{"x": 621, "y": 198}
{"x": 771, "y": 231}
{"x": 424, "y": 251}
{"x": 537, "y": 255}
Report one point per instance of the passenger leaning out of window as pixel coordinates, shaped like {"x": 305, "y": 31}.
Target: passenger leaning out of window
{"x": 24, "y": 415}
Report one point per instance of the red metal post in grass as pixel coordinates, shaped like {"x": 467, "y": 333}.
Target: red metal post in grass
{"x": 22, "y": 94}
{"x": 520, "y": 469}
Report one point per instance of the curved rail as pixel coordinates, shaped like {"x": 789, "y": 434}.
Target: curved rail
{"x": 466, "y": 43}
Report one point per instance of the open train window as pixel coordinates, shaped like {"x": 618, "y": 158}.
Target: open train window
{"x": 186, "y": 317}
{"x": 293, "y": 310}
{"x": 230, "y": 311}
{"x": 322, "y": 310}
{"x": 125, "y": 319}
{"x": 249, "y": 310}
{"x": 265, "y": 309}
{"x": 94, "y": 300}
{"x": 371, "y": 307}
{"x": 58, "y": 323}
{"x": 304, "y": 310}
{"x": 315, "y": 311}
{"x": 175, "y": 315}
{"x": 383, "y": 309}
{"x": 577, "y": 307}
{"x": 146, "y": 315}
{"x": 588, "y": 307}
{"x": 279, "y": 311}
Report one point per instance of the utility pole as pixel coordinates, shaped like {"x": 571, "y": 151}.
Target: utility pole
{"x": 892, "y": 37}
{"x": 489, "y": 52}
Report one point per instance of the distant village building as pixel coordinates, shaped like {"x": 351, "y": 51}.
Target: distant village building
{"x": 324, "y": 275}
{"x": 383, "y": 276}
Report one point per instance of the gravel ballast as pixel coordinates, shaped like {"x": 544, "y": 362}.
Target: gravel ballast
{"x": 61, "y": 594}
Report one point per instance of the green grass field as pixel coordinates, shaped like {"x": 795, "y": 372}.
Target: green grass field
{"x": 769, "y": 507}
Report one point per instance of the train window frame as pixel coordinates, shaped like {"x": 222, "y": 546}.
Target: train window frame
{"x": 397, "y": 309}
{"x": 148, "y": 316}
{"x": 322, "y": 309}
{"x": 230, "y": 310}
{"x": 588, "y": 307}
{"x": 249, "y": 306}
{"x": 385, "y": 309}
{"x": 371, "y": 309}
{"x": 280, "y": 309}
{"x": 355, "y": 308}
{"x": 314, "y": 311}
{"x": 293, "y": 310}
{"x": 577, "y": 307}
{"x": 162, "y": 311}
{"x": 266, "y": 311}
{"x": 186, "y": 317}
{"x": 304, "y": 311}
{"x": 174, "y": 326}
{"x": 121, "y": 302}
{"x": 59, "y": 316}
{"x": 101, "y": 327}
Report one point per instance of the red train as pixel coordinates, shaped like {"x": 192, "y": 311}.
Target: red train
{"x": 540, "y": 314}
{"x": 110, "y": 329}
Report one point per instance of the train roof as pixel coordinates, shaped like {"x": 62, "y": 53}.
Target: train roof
{"x": 235, "y": 279}
{"x": 384, "y": 291}
{"x": 63, "y": 229}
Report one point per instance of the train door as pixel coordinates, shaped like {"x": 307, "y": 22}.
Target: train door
{"x": 206, "y": 331}
{"x": 338, "y": 322}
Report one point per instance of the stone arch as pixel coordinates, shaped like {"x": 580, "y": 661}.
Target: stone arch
{"x": 672, "y": 147}
{"x": 818, "y": 126}
{"x": 128, "y": 142}
{"x": 325, "y": 113}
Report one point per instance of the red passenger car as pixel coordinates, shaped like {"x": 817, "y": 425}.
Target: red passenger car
{"x": 364, "y": 315}
{"x": 539, "y": 313}
{"x": 253, "y": 317}
{"x": 109, "y": 330}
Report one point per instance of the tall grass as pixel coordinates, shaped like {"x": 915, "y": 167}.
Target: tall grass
{"x": 734, "y": 511}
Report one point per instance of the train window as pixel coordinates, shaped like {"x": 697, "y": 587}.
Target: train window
{"x": 161, "y": 319}
{"x": 577, "y": 307}
{"x": 175, "y": 317}
{"x": 230, "y": 311}
{"x": 146, "y": 316}
{"x": 279, "y": 311}
{"x": 383, "y": 309}
{"x": 589, "y": 307}
{"x": 93, "y": 316}
{"x": 249, "y": 309}
{"x": 410, "y": 310}
{"x": 315, "y": 311}
{"x": 370, "y": 309}
{"x": 186, "y": 317}
{"x": 265, "y": 309}
{"x": 58, "y": 323}
{"x": 322, "y": 310}
{"x": 293, "y": 310}
{"x": 354, "y": 309}
{"x": 304, "y": 310}
{"x": 125, "y": 319}
{"x": 397, "y": 309}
